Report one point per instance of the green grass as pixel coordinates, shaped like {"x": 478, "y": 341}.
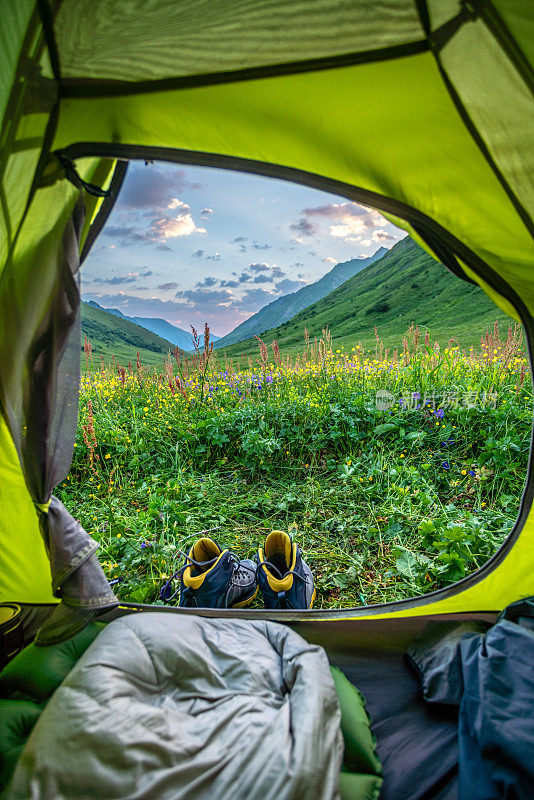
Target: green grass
{"x": 385, "y": 504}
{"x": 406, "y": 285}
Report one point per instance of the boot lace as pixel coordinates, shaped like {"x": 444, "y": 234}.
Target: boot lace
{"x": 240, "y": 571}
{"x": 280, "y": 576}
{"x": 166, "y": 589}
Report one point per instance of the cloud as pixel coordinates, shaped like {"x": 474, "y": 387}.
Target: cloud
{"x": 130, "y": 278}
{"x": 239, "y": 240}
{"x": 163, "y": 246}
{"x": 229, "y": 284}
{"x": 166, "y": 287}
{"x": 346, "y": 228}
{"x": 164, "y": 227}
{"x": 244, "y": 278}
{"x": 167, "y": 227}
{"x": 305, "y": 227}
{"x": 214, "y": 257}
{"x": 262, "y": 267}
{"x": 175, "y": 203}
{"x": 257, "y": 246}
{"x": 198, "y": 254}
{"x": 153, "y": 187}
{"x": 206, "y": 297}
{"x": 128, "y": 234}
{"x": 329, "y": 260}
{"x": 382, "y": 236}
{"x": 209, "y": 281}
{"x": 206, "y": 213}
{"x": 346, "y": 219}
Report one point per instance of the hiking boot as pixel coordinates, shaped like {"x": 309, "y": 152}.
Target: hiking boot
{"x": 215, "y": 578}
{"x": 285, "y": 580}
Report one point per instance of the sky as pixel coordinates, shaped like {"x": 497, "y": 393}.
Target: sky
{"x": 195, "y": 244}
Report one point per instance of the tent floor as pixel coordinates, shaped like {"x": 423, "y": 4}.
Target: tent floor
{"x": 416, "y": 742}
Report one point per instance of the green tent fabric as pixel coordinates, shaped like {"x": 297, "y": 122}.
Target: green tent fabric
{"x": 420, "y": 108}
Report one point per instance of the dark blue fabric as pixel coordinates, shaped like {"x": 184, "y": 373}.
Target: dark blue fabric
{"x": 496, "y": 720}
{"x": 491, "y": 677}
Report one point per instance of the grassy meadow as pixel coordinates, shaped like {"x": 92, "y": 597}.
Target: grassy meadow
{"x": 387, "y": 496}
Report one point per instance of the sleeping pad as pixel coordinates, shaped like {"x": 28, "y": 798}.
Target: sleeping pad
{"x": 164, "y": 706}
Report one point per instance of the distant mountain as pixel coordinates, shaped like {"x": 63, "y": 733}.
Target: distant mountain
{"x": 285, "y": 308}
{"x": 160, "y": 327}
{"x": 113, "y": 335}
{"x": 114, "y": 311}
{"x": 406, "y": 285}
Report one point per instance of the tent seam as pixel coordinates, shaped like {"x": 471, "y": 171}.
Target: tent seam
{"x": 504, "y": 38}
{"x": 76, "y": 87}
{"x": 473, "y": 131}
{"x": 47, "y": 21}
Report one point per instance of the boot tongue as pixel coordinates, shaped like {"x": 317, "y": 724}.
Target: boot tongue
{"x": 204, "y": 550}
{"x": 278, "y": 551}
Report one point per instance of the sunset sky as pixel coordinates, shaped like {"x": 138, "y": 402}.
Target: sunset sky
{"x": 192, "y": 244}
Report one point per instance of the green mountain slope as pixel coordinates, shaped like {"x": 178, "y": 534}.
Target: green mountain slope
{"x": 171, "y": 333}
{"x": 406, "y": 285}
{"x": 114, "y": 336}
{"x": 285, "y": 308}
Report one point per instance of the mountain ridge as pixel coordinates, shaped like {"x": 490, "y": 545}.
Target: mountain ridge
{"x": 285, "y": 308}
{"x": 406, "y": 285}
{"x": 113, "y": 336}
{"x": 161, "y": 327}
